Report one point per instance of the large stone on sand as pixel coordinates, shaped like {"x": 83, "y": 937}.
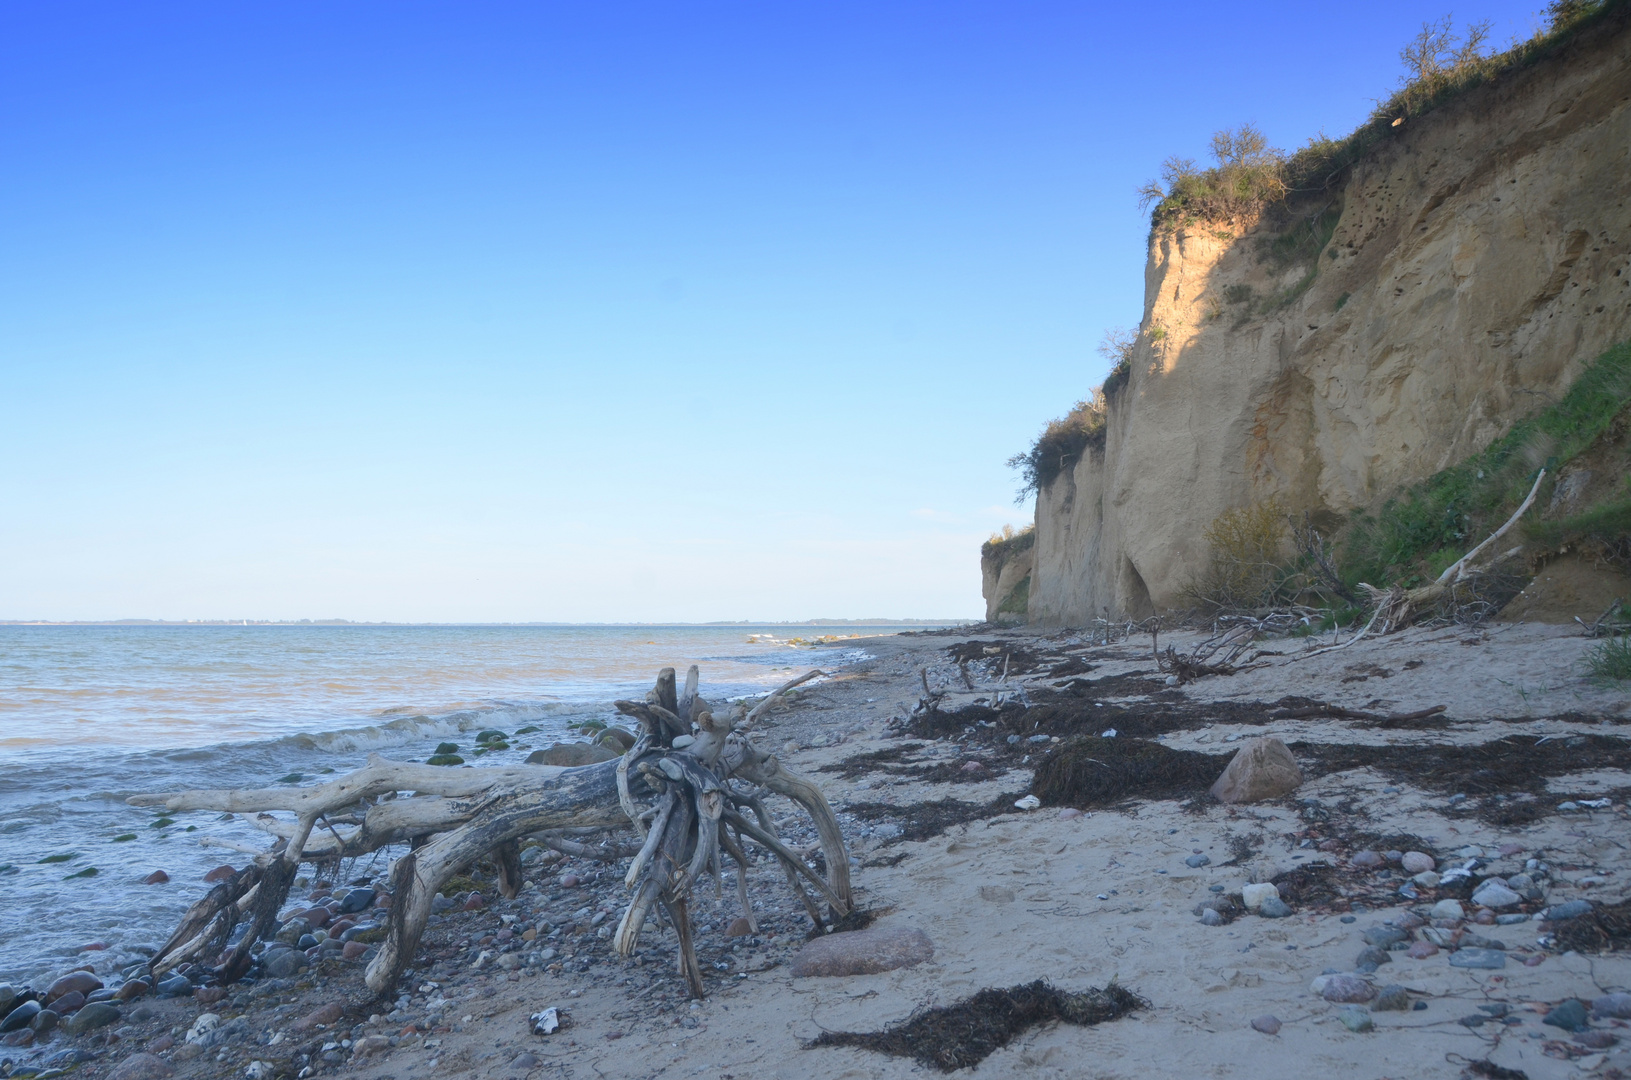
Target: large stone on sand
{"x": 1262, "y": 769}
{"x": 572, "y": 755}
{"x": 863, "y": 952}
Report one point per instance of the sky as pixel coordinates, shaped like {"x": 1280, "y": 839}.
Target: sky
{"x": 584, "y": 312}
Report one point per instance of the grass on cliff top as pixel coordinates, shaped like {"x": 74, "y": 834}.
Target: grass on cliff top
{"x": 1440, "y": 66}
{"x": 1008, "y": 543}
{"x": 1433, "y": 523}
{"x": 1064, "y": 441}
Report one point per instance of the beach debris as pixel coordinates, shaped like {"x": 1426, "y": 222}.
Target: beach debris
{"x": 1029, "y": 802}
{"x": 962, "y": 1035}
{"x": 1262, "y": 768}
{"x": 863, "y": 952}
{"x": 546, "y": 1022}
{"x": 1215, "y": 655}
{"x": 689, "y": 803}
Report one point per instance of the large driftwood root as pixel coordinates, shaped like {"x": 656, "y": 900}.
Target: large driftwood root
{"x": 692, "y": 788}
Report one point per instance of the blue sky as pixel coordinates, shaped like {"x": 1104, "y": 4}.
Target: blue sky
{"x": 623, "y": 311}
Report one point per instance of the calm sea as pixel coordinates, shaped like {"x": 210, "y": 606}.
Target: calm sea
{"x": 92, "y": 714}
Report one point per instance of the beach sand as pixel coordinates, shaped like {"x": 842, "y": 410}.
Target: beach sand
{"x": 1010, "y": 896}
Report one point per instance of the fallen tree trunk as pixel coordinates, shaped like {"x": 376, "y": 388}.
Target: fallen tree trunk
{"x": 694, "y": 777}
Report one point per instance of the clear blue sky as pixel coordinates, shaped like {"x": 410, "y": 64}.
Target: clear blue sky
{"x": 590, "y": 311}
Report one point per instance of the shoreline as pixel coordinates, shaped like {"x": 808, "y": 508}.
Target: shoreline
{"x": 1009, "y": 896}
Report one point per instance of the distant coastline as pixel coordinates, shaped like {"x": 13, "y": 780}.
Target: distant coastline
{"x": 353, "y": 622}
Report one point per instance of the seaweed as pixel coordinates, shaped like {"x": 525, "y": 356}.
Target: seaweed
{"x": 1098, "y": 772}
{"x": 1606, "y": 929}
{"x": 1513, "y": 763}
{"x": 926, "y": 820}
{"x": 961, "y": 1036}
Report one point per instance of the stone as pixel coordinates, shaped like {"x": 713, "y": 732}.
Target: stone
{"x": 1494, "y": 894}
{"x": 473, "y": 902}
{"x": 82, "y": 981}
{"x": 1393, "y": 998}
{"x": 20, "y": 1017}
{"x": 327, "y": 1014}
{"x": 863, "y": 952}
{"x": 8, "y": 997}
{"x": 1357, "y": 1021}
{"x": 525, "y": 1062}
{"x": 1263, "y": 768}
{"x": 187, "y": 1052}
{"x": 1253, "y": 895}
{"x": 68, "y": 1002}
{"x": 96, "y": 1014}
{"x": 572, "y": 755}
{"x": 209, "y": 995}
{"x": 157, "y": 877}
{"x": 1368, "y": 860}
{"x": 1427, "y": 879}
{"x": 1470, "y": 940}
{"x": 220, "y": 873}
{"x": 44, "y": 1021}
{"x": 1486, "y": 959}
{"x": 142, "y": 1067}
{"x": 1385, "y": 937}
{"x": 353, "y": 950}
{"x": 1570, "y": 909}
{"x": 370, "y": 1044}
{"x": 1268, "y": 1024}
{"x": 1370, "y": 958}
{"x": 1612, "y": 1006}
{"x": 175, "y": 986}
{"x": 1195, "y": 862}
{"x": 1070, "y": 813}
{"x": 739, "y": 927}
{"x": 1570, "y": 1015}
{"x": 280, "y": 964}
{"x": 1417, "y": 862}
{"x": 1346, "y": 989}
{"x": 1274, "y": 908}
{"x": 203, "y": 1026}
{"x": 133, "y": 989}
{"x": 357, "y": 900}
{"x": 1421, "y": 950}
{"x": 1448, "y": 909}
{"x": 1597, "y": 1040}
{"x": 1210, "y": 917}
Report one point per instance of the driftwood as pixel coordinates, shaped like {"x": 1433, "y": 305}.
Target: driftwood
{"x": 1214, "y": 656}
{"x": 692, "y": 775}
{"x": 1397, "y": 608}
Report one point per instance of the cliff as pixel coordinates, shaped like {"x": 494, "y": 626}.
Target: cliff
{"x": 1456, "y": 279}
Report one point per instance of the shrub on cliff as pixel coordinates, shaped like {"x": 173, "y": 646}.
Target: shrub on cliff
{"x": 1008, "y": 543}
{"x": 1063, "y": 441}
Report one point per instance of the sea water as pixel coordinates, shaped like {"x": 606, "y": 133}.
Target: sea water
{"x": 90, "y": 715}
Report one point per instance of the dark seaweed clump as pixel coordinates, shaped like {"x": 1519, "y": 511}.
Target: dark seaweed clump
{"x": 1097, "y": 772}
{"x": 1606, "y": 929}
{"x": 963, "y": 1035}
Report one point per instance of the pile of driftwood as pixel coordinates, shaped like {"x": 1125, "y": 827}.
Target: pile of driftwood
{"x": 692, "y": 788}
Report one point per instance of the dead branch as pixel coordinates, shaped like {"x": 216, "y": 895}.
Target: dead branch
{"x": 681, "y": 775}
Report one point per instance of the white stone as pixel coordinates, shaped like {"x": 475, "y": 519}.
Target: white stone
{"x": 1254, "y": 895}
{"x": 1493, "y": 894}
{"x": 1448, "y": 909}
{"x": 1416, "y": 862}
{"x": 1029, "y": 802}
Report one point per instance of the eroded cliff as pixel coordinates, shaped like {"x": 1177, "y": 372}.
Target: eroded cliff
{"x": 1458, "y": 277}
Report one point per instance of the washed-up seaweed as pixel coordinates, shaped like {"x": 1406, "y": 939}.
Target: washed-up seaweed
{"x": 1098, "y": 772}
{"x": 963, "y": 1035}
{"x": 1607, "y": 928}
{"x": 1511, "y": 764}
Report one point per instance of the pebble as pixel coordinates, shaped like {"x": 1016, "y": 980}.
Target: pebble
{"x": 863, "y": 952}
{"x": 570, "y": 881}
{"x": 1253, "y": 895}
{"x": 1357, "y": 1021}
{"x": 82, "y": 981}
{"x": 1370, "y": 958}
{"x": 220, "y": 873}
{"x": 1570, "y": 1015}
{"x": 1612, "y": 1006}
{"x": 1384, "y": 937}
{"x": 353, "y": 950}
{"x": 1069, "y": 813}
{"x": 1448, "y": 909}
{"x": 95, "y": 1015}
{"x": 357, "y": 900}
{"x": 1494, "y": 894}
{"x": 1421, "y": 950}
{"x": 1393, "y": 998}
{"x": 157, "y": 877}
{"x": 1209, "y": 917}
{"x": 1268, "y": 1024}
{"x": 1195, "y": 862}
{"x": 1368, "y": 860}
{"x": 525, "y": 1062}
{"x": 279, "y": 965}
{"x": 1274, "y": 908}
{"x": 1427, "y": 879}
{"x": 44, "y": 1021}
{"x": 68, "y": 1002}
{"x": 142, "y": 1067}
{"x": 475, "y": 902}
{"x": 1416, "y": 862}
{"x": 1344, "y": 989}
{"x": 1570, "y": 909}
{"x": 1488, "y": 959}
{"x": 20, "y": 1016}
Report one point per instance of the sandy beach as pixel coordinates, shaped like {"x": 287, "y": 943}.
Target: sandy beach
{"x": 1522, "y": 773}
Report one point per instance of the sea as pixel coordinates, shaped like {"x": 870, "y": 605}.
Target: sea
{"x": 90, "y": 715}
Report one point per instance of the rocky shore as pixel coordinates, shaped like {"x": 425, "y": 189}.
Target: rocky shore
{"x": 1437, "y": 895}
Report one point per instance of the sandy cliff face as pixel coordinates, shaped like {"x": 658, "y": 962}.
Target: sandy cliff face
{"x": 1005, "y": 580}
{"x": 1477, "y": 261}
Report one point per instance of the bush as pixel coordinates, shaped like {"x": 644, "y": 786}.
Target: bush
{"x": 1249, "y": 557}
{"x": 1063, "y": 441}
{"x": 1247, "y": 177}
{"x": 1009, "y": 542}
